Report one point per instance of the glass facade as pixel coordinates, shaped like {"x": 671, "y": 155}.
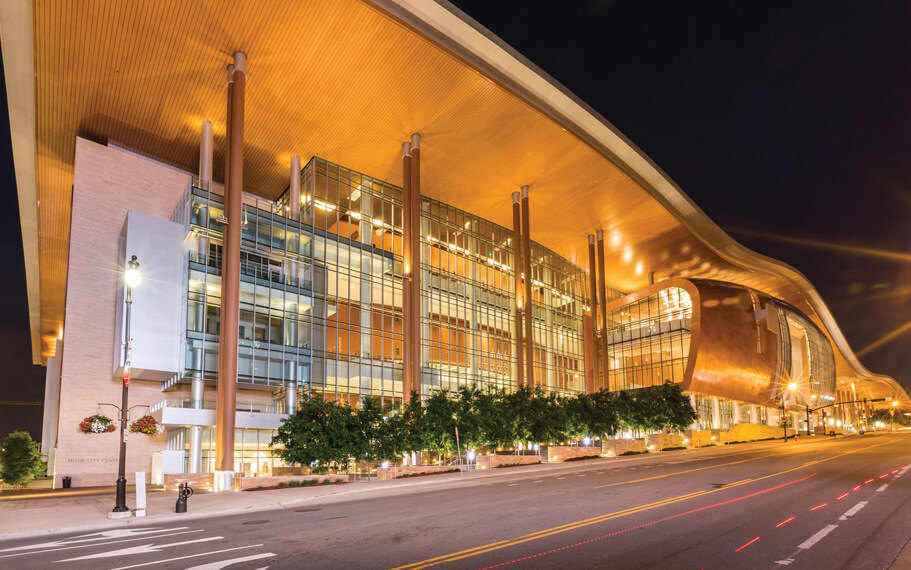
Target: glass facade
{"x": 648, "y": 341}
{"x": 321, "y": 298}
{"x": 807, "y": 356}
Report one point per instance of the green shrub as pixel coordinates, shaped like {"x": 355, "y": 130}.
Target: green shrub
{"x": 20, "y": 459}
{"x": 634, "y": 452}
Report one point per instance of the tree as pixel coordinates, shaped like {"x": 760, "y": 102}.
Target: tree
{"x": 496, "y": 418}
{"x": 673, "y": 410}
{"x": 592, "y": 415}
{"x": 548, "y": 418}
{"x": 319, "y": 431}
{"x": 377, "y": 438}
{"x": 468, "y": 419}
{"x": 518, "y": 409}
{"x": 439, "y": 422}
{"x": 413, "y": 426}
{"x": 20, "y": 460}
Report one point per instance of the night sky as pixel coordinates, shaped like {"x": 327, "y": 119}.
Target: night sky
{"x": 788, "y": 123}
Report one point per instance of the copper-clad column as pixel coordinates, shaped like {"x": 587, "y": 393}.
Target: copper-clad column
{"x": 415, "y": 237}
{"x": 529, "y": 302}
{"x": 294, "y": 188}
{"x": 589, "y": 351}
{"x": 593, "y": 322}
{"x": 602, "y": 292}
{"x": 407, "y": 266}
{"x": 517, "y": 264}
{"x": 230, "y": 279}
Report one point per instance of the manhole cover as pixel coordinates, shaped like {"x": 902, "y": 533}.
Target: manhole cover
{"x": 307, "y": 510}
{"x": 256, "y": 522}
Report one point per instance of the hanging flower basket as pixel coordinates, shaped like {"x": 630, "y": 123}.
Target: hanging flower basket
{"x": 146, "y": 425}
{"x": 97, "y": 423}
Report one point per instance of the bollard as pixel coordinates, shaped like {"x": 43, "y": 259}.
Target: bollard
{"x": 184, "y": 492}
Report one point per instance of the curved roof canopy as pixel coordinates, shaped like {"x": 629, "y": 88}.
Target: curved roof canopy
{"x": 349, "y": 81}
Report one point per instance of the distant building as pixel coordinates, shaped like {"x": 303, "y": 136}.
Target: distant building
{"x": 516, "y": 239}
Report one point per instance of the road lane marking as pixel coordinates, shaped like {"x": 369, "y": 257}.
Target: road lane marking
{"x": 452, "y": 557}
{"x": 856, "y": 488}
{"x": 477, "y": 550}
{"x": 225, "y": 563}
{"x": 842, "y": 496}
{"x": 817, "y": 507}
{"x": 747, "y": 544}
{"x": 853, "y": 511}
{"x": 868, "y": 481}
{"x": 810, "y": 542}
{"x": 512, "y": 484}
{"x": 143, "y": 549}
{"x": 561, "y": 477}
{"x": 784, "y": 522}
{"x": 883, "y": 488}
{"x": 640, "y": 526}
{"x": 537, "y": 481}
{"x": 58, "y": 549}
{"x": 188, "y": 556}
{"x": 106, "y": 535}
{"x": 683, "y": 472}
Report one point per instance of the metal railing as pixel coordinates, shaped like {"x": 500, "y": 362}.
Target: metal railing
{"x": 190, "y": 404}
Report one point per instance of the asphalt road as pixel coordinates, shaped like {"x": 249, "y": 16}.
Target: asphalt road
{"x": 842, "y": 503}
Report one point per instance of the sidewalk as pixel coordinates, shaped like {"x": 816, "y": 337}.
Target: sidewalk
{"x": 48, "y": 515}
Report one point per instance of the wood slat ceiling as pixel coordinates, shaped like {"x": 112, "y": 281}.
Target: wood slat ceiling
{"x": 336, "y": 79}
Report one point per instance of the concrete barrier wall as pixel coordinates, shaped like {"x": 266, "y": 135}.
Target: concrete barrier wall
{"x": 560, "y": 453}
{"x": 385, "y": 473}
{"x": 661, "y": 441}
{"x": 249, "y": 483}
{"x": 751, "y": 432}
{"x": 494, "y": 461}
{"x": 615, "y": 447}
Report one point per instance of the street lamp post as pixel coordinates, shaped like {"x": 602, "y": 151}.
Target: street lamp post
{"x": 132, "y": 278}
{"x": 892, "y": 414}
{"x": 784, "y": 423}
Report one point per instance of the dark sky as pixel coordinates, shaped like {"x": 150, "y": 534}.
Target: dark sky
{"x": 783, "y": 120}
{"x": 20, "y": 381}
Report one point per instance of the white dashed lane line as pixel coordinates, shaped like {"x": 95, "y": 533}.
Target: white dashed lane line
{"x": 853, "y": 511}
{"x": 810, "y": 542}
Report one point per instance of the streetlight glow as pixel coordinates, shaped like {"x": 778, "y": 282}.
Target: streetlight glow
{"x": 792, "y": 386}
{"x": 132, "y": 277}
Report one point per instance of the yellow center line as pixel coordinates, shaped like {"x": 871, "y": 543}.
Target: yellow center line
{"x": 459, "y": 555}
{"x": 631, "y": 481}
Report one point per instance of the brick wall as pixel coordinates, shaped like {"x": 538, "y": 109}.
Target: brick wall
{"x": 107, "y": 182}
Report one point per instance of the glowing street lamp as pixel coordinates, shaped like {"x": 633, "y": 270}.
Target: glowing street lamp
{"x": 132, "y": 278}
{"x": 784, "y": 424}
{"x": 892, "y": 413}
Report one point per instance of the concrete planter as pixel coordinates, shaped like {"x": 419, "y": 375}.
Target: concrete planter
{"x": 662, "y": 441}
{"x": 255, "y": 483}
{"x": 494, "y": 461}
{"x": 617, "y": 447}
{"x": 560, "y": 453}
{"x": 385, "y": 473}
